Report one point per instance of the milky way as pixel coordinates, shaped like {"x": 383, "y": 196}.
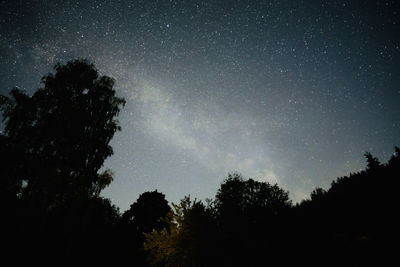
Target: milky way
{"x": 289, "y": 92}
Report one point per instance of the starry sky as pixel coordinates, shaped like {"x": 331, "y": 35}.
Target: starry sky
{"x": 288, "y": 92}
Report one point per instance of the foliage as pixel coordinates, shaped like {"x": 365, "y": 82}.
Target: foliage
{"x": 53, "y": 147}
{"x": 355, "y": 214}
{"x": 61, "y": 133}
{"x": 202, "y": 235}
{"x": 238, "y": 195}
{"x": 184, "y": 241}
{"x": 147, "y": 212}
{"x": 372, "y": 162}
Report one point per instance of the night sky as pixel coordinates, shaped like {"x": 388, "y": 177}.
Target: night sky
{"x": 289, "y": 92}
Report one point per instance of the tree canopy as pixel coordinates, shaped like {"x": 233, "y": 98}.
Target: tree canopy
{"x": 147, "y": 212}
{"x": 53, "y": 147}
{"x": 187, "y": 238}
{"x": 238, "y": 195}
{"x": 61, "y": 133}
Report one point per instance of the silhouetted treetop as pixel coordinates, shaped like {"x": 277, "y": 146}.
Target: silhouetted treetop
{"x": 317, "y": 194}
{"x": 63, "y": 130}
{"x": 243, "y": 195}
{"x": 147, "y": 212}
{"x": 187, "y": 239}
{"x": 395, "y": 158}
{"x": 372, "y": 162}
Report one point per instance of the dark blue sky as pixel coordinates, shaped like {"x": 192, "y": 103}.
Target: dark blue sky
{"x": 292, "y": 92}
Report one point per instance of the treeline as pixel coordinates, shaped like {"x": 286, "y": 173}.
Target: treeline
{"x": 52, "y": 149}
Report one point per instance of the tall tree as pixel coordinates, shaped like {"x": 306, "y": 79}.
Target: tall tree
{"x": 147, "y": 212}
{"x": 144, "y": 215}
{"x": 372, "y": 162}
{"x": 52, "y": 149}
{"x": 62, "y": 132}
{"x": 188, "y": 239}
{"x": 249, "y": 215}
{"x": 238, "y": 197}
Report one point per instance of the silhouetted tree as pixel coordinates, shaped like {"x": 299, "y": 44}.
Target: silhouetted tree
{"x": 144, "y": 215}
{"x": 62, "y": 132}
{"x": 10, "y": 181}
{"x": 372, "y": 162}
{"x": 52, "y": 149}
{"x": 238, "y": 197}
{"x": 147, "y": 212}
{"x": 188, "y": 239}
{"x": 232, "y": 231}
{"x": 249, "y": 215}
{"x": 317, "y": 194}
{"x": 354, "y": 218}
